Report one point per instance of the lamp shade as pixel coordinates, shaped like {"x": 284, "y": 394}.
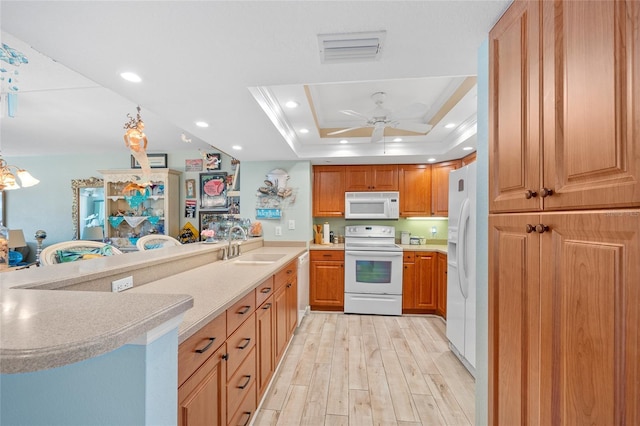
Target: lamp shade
{"x": 93, "y": 233}
{"x": 16, "y": 238}
{"x": 26, "y": 179}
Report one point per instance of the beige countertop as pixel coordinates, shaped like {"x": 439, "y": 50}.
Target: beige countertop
{"x": 45, "y": 328}
{"x": 440, "y": 248}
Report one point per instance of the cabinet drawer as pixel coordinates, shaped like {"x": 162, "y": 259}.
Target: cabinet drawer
{"x": 240, "y": 311}
{"x": 264, "y": 290}
{"x": 326, "y": 255}
{"x": 247, "y": 409}
{"x": 240, "y": 343}
{"x": 284, "y": 275}
{"x": 409, "y": 257}
{"x": 194, "y": 351}
{"x": 240, "y": 384}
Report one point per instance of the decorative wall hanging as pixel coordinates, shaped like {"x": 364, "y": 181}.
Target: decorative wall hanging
{"x": 193, "y": 165}
{"x": 212, "y": 161}
{"x": 190, "y": 188}
{"x": 136, "y": 141}
{"x": 213, "y": 191}
{"x": 274, "y": 196}
{"x": 9, "y": 77}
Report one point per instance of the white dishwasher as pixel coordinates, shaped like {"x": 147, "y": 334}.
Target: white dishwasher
{"x": 303, "y": 285}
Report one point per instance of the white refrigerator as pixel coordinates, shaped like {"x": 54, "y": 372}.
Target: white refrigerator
{"x": 461, "y": 266}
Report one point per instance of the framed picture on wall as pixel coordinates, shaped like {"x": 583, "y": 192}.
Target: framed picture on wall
{"x": 156, "y": 161}
{"x": 213, "y": 161}
{"x": 213, "y": 191}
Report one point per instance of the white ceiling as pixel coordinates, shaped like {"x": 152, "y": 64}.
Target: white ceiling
{"x": 207, "y": 60}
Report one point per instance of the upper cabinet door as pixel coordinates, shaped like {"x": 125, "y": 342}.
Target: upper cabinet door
{"x": 415, "y": 189}
{"x": 440, "y": 187}
{"x": 514, "y": 118}
{"x": 591, "y": 110}
{"x": 328, "y": 191}
{"x": 371, "y": 178}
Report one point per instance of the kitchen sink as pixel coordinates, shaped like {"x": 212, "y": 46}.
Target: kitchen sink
{"x": 259, "y": 258}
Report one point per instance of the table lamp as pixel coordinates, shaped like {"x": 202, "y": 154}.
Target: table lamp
{"x": 16, "y": 241}
{"x": 93, "y": 233}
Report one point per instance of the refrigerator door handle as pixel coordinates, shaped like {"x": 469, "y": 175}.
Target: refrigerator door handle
{"x": 462, "y": 249}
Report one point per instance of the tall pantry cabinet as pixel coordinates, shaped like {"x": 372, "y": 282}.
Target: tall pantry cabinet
{"x": 564, "y": 224}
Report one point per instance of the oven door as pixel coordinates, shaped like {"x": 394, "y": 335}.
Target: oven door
{"x": 373, "y": 272}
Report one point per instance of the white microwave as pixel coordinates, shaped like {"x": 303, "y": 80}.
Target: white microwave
{"x": 372, "y": 205}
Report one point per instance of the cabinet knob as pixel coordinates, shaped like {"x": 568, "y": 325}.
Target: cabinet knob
{"x": 546, "y": 192}
{"x": 530, "y": 194}
{"x": 530, "y": 228}
{"x": 540, "y": 228}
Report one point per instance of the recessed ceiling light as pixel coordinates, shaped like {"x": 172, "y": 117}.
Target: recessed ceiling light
{"x": 304, "y": 130}
{"x": 131, "y": 76}
{"x": 450, "y": 126}
{"x": 291, "y": 104}
{"x": 344, "y": 141}
{"x": 467, "y": 148}
{"x": 202, "y": 124}
{"x": 397, "y": 140}
{"x": 237, "y": 147}
{"x": 431, "y": 160}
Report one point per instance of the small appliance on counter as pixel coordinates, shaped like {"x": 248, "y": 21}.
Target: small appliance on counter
{"x": 405, "y": 237}
{"x": 416, "y": 241}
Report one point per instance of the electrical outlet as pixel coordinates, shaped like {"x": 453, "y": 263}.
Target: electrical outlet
{"x": 121, "y": 284}
{"x": 278, "y": 231}
{"x": 292, "y": 224}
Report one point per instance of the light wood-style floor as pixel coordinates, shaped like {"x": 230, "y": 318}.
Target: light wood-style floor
{"x": 369, "y": 370}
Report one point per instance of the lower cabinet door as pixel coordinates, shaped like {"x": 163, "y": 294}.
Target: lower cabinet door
{"x": 202, "y": 398}
{"x": 264, "y": 336}
{"x": 280, "y": 327}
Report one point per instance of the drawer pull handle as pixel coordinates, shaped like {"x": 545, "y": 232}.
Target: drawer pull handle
{"x": 266, "y": 290}
{"x": 206, "y": 348}
{"x": 326, "y": 255}
{"x": 248, "y": 414}
{"x": 244, "y": 310}
{"x": 248, "y": 339}
{"x": 247, "y": 382}
{"x": 266, "y": 306}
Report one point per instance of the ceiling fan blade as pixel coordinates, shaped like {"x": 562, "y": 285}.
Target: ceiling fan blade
{"x": 412, "y": 127}
{"x": 411, "y": 111}
{"x": 378, "y": 134}
{"x": 354, "y": 114}
{"x": 337, "y": 132}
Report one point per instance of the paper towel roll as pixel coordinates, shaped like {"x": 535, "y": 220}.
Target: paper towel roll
{"x": 325, "y": 234}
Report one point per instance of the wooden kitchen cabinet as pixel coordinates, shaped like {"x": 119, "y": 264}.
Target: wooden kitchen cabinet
{"x": 415, "y": 189}
{"x": 466, "y": 160}
{"x": 378, "y": 177}
{"x": 441, "y": 286}
{"x": 326, "y": 280}
{"x": 419, "y": 293}
{"x": 265, "y": 365}
{"x": 564, "y": 291}
{"x": 285, "y": 307}
{"x": 328, "y": 191}
{"x": 202, "y": 399}
{"x": 225, "y": 367}
{"x": 564, "y": 306}
{"x": 587, "y": 156}
{"x": 440, "y": 187}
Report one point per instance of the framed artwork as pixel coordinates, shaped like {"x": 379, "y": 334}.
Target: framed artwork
{"x": 205, "y": 218}
{"x": 190, "y": 187}
{"x": 212, "y": 161}
{"x": 156, "y": 161}
{"x": 213, "y": 191}
{"x": 193, "y": 165}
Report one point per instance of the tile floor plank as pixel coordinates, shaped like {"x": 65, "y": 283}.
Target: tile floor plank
{"x": 364, "y": 370}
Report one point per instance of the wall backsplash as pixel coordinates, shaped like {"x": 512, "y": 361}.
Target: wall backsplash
{"x": 417, "y": 228}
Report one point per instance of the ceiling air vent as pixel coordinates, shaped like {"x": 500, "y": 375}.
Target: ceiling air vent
{"x": 351, "y": 47}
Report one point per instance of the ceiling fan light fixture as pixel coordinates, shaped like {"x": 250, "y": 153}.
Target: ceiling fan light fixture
{"x": 351, "y": 47}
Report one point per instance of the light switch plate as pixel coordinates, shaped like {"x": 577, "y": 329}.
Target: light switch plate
{"x": 278, "y": 231}
{"x": 292, "y": 224}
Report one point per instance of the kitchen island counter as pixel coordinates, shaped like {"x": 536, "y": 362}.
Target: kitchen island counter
{"x": 44, "y": 328}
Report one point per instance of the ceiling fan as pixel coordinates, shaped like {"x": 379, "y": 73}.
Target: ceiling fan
{"x": 381, "y": 118}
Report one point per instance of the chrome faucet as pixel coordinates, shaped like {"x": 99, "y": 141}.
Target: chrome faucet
{"x": 230, "y": 251}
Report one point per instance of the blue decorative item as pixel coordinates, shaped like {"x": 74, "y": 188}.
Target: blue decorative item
{"x": 15, "y": 257}
{"x": 153, "y": 219}
{"x": 115, "y": 221}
